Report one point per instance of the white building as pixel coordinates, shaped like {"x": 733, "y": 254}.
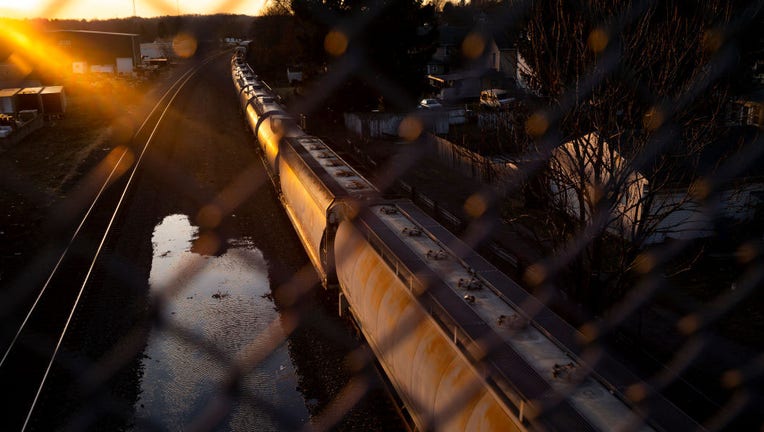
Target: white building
{"x": 585, "y": 170}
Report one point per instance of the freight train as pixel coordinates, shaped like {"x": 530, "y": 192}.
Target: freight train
{"x": 463, "y": 345}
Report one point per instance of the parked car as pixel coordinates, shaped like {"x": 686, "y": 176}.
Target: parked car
{"x": 430, "y": 104}
{"x": 495, "y": 98}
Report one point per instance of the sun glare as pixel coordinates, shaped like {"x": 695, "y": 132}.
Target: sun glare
{"x": 28, "y": 50}
{"x": 17, "y": 9}
{"x": 105, "y": 9}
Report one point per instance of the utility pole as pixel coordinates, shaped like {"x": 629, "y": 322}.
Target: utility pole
{"x": 177, "y": 7}
{"x": 134, "y": 14}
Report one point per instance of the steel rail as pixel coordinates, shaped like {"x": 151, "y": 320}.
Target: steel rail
{"x": 175, "y": 90}
{"x": 84, "y": 219}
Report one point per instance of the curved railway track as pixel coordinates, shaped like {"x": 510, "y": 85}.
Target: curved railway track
{"x": 36, "y": 345}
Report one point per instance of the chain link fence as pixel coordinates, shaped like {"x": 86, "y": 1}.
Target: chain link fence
{"x": 623, "y": 193}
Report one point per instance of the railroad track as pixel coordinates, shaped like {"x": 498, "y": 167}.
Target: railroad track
{"x": 36, "y": 340}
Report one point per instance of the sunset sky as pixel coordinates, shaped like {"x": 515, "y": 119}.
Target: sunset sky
{"x": 104, "y": 9}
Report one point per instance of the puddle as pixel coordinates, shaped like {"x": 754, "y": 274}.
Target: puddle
{"x": 225, "y": 301}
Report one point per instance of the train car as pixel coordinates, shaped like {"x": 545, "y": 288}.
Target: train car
{"x": 272, "y": 128}
{"x": 242, "y": 76}
{"x": 316, "y": 186}
{"x": 465, "y": 347}
{"x": 265, "y": 115}
{"x": 272, "y": 125}
{"x": 243, "y": 83}
{"x": 252, "y": 90}
{"x": 319, "y": 189}
{"x": 235, "y": 68}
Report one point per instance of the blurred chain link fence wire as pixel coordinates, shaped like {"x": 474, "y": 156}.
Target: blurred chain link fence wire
{"x": 605, "y": 198}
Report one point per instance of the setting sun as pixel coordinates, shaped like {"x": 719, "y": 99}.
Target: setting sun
{"x": 15, "y": 8}
{"x": 105, "y": 9}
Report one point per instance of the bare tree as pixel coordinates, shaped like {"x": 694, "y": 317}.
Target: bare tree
{"x": 437, "y": 4}
{"x": 637, "y": 91}
{"x": 277, "y": 8}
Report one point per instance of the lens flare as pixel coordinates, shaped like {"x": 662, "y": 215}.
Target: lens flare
{"x": 20, "y": 9}
{"x": 184, "y": 45}
{"x": 336, "y": 43}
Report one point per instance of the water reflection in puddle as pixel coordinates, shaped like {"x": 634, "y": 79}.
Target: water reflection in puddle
{"x": 224, "y": 301}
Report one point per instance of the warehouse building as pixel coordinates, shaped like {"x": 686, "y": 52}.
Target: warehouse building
{"x": 95, "y": 51}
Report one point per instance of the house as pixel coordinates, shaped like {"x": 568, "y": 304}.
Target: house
{"x": 659, "y": 201}
{"x": 448, "y": 50}
{"x": 452, "y": 79}
{"x": 580, "y": 170}
{"x": 501, "y": 55}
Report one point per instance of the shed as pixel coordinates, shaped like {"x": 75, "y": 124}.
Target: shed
{"x": 29, "y": 99}
{"x": 8, "y": 100}
{"x": 53, "y": 100}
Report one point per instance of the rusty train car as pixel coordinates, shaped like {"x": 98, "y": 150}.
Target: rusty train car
{"x": 463, "y": 345}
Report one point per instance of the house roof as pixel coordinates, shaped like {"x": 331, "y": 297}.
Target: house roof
{"x": 451, "y": 36}
{"x": 456, "y": 76}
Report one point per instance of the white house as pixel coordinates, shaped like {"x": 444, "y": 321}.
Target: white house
{"x": 580, "y": 173}
{"x": 587, "y": 169}
{"x": 497, "y": 66}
